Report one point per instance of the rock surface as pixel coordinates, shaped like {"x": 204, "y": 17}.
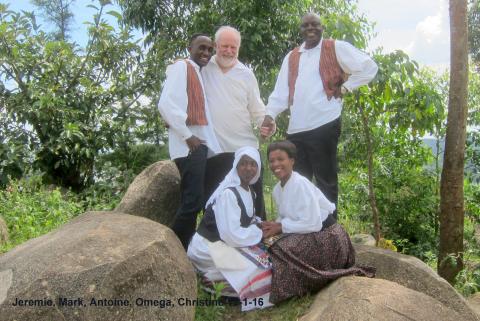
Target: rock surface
{"x": 413, "y": 274}
{"x": 3, "y": 231}
{"x": 365, "y": 239}
{"x": 474, "y": 303}
{"x": 154, "y": 193}
{"x": 105, "y": 256}
{"x": 358, "y": 299}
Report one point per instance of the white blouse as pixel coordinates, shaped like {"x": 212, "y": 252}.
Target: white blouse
{"x": 302, "y": 207}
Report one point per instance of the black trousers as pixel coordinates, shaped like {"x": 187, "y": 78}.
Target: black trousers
{"x": 317, "y": 157}
{"x": 192, "y": 174}
{"x": 218, "y": 167}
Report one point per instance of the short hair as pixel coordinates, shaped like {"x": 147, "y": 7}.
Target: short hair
{"x": 285, "y": 145}
{"x": 195, "y": 36}
{"x": 228, "y": 28}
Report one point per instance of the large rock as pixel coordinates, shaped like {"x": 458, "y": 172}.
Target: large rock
{"x": 360, "y": 299}
{"x": 3, "y": 231}
{"x": 116, "y": 259}
{"x": 154, "y": 193}
{"x": 365, "y": 239}
{"x": 413, "y": 274}
{"x": 474, "y": 303}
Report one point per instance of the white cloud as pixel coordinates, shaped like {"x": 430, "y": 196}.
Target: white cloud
{"x": 418, "y": 27}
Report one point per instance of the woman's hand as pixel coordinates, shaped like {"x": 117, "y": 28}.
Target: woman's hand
{"x": 270, "y": 229}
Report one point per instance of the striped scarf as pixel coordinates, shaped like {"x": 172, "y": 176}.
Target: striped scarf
{"x": 331, "y": 73}
{"x": 196, "y": 100}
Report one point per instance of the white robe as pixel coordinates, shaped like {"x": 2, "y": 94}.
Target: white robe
{"x": 220, "y": 260}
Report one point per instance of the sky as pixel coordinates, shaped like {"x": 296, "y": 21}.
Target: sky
{"x": 418, "y": 27}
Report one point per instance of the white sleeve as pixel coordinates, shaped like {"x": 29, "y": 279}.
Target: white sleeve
{"x": 227, "y": 216}
{"x": 256, "y": 107}
{"x": 304, "y": 204}
{"x": 174, "y": 100}
{"x": 278, "y": 100}
{"x": 361, "y": 68}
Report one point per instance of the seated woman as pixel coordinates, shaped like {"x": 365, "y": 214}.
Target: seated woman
{"x": 224, "y": 249}
{"x": 313, "y": 249}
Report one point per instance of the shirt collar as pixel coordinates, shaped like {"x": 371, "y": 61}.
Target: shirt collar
{"x": 303, "y": 49}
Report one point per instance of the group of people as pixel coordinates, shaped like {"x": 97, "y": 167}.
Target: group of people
{"x": 211, "y": 104}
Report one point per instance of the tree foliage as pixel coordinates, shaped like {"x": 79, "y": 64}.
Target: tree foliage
{"x": 57, "y": 12}
{"x": 75, "y": 102}
{"x": 269, "y": 28}
{"x": 474, "y": 30}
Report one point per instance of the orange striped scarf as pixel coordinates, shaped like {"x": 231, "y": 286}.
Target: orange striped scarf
{"x": 331, "y": 73}
{"x": 196, "y": 99}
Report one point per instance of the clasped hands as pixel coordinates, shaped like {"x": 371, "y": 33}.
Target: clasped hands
{"x": 268, "y": 127}
{"x": 270, "y": 229}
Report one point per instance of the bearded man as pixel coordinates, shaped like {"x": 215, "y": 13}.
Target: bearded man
{"x": 235, "y": 105}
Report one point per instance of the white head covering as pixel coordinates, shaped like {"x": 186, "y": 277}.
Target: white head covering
{"x": 232, "y": 179}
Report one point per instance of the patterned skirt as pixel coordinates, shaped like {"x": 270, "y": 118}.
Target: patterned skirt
{"x": 304, "y": 263}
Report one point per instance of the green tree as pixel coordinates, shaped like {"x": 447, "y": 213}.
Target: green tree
{"x": 269, "y": 28}
{"x": 397, "y": 100}
{"x": 57, "y": 12}
{"x": 76, "y": 102}
{"x": 474, "y": 30}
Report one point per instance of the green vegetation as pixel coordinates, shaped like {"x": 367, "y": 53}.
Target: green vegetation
{"x": 84, "y": 120}
{"x": 31, "y": 209}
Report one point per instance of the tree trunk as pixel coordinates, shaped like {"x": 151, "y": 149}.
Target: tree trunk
{"x": 371, "y": 191}
{"x": 450, "y": 258}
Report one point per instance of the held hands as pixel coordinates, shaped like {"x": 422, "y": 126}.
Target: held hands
{"x": 268, "y": 127}
{"x": 270, "y": 229}
{"x": 193, "y": 143}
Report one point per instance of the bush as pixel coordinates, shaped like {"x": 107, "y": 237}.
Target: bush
{"x": 31, "y": 209}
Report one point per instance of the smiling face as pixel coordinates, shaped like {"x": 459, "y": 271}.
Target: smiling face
{"x": 227, "y": 46}
{"x": 247, "y": 169}
{"x": 281, "y": 165}
{"x": 201, "y": 50}
{"x": 311, "y": 29}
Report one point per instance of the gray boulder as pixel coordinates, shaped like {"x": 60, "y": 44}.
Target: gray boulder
{"x": 3, "y": 231}
{"x": 474, "y": 303}
{"x": 100, "y": 266}
{"x": 359, "y": 299}
{"x": 154, "y": 193}
{"x": 365, "y": 239}
{"x": 413, "y": 274}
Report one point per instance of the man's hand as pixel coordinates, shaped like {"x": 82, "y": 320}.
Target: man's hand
{"x": 271, "y": 229}
{"x": 268, "y": 127}
{"x": 193, "y": 143}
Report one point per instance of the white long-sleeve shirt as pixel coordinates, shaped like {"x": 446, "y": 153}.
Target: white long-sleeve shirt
{"x": 173, "y": 105}
{"x": 311, "y": 108}
{"x": 301, "y": 206}
{"x": 235, "y": 105}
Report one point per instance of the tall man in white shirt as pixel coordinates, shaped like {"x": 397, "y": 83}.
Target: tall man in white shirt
{"x": 190, "y": 135}
{"x": 312, "y": 81}
{"x": 235, "y": 104}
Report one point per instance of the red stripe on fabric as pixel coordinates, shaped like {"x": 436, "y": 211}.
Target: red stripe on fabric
{"x": 256, "y": 293}
{"x": 257, "y": 278}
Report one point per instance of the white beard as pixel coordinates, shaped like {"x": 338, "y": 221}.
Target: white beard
{"x": 226, "y": 62}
